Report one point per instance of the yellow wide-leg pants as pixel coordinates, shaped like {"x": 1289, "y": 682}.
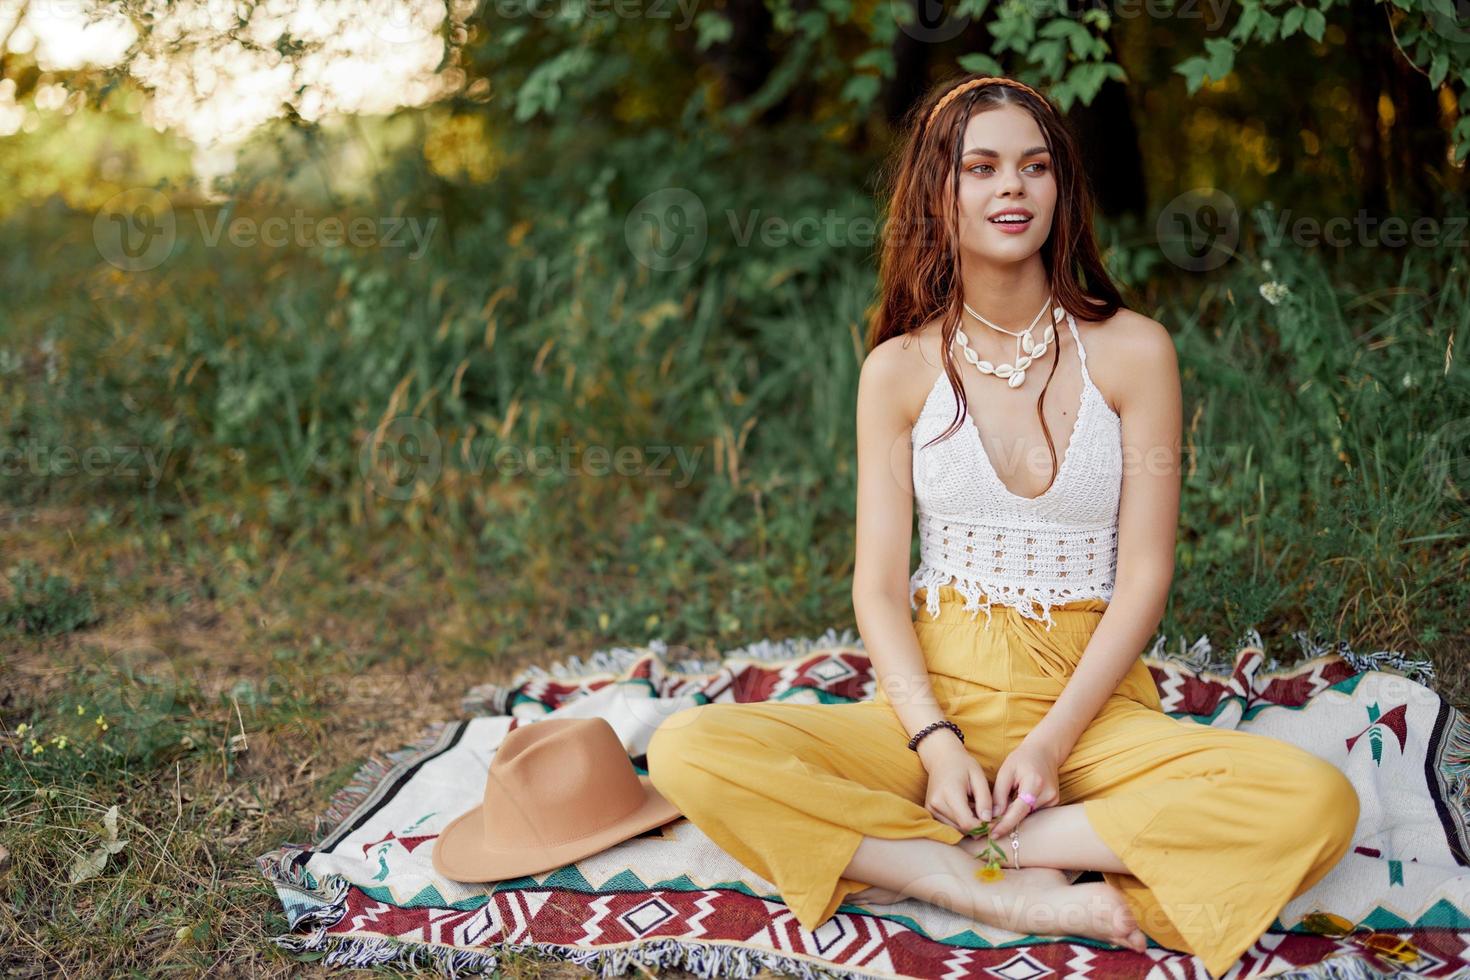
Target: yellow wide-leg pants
{"x": 1219, "y": 828}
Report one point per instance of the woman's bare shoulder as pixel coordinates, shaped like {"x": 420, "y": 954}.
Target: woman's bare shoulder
{"x": 1124, "y": 348}
{"x": 903, "y": 369}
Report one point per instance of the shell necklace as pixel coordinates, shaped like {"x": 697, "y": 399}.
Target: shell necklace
{"x": 1028, "y": 349}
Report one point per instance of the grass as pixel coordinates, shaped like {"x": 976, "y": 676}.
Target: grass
{"x": 268, "y": 578}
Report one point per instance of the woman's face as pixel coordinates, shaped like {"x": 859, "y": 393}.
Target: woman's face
{"x": 1005, "y": 173}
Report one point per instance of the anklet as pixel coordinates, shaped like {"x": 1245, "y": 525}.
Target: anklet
{"x": 1015, "y": 848}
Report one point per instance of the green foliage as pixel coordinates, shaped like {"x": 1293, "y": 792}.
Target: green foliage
{"x": 539, "y": 328}
{"x": 42, "y": 604}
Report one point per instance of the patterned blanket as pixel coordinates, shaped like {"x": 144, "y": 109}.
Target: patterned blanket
{"x": 366, "y": 893}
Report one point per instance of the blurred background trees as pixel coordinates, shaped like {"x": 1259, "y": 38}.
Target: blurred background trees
{"x": 653, "y": 223}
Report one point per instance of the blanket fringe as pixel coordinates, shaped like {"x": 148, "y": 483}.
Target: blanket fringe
{"x": 367, "y": 778}
{"x": 701, "y": 959}
{"x": 326, "y": 897}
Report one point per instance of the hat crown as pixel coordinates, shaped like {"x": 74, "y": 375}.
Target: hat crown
{"x": 556, "y": 780}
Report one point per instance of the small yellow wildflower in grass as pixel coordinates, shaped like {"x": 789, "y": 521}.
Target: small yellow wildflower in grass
{"x": 22, "y": 728}
{"x": 992, "y": 856}
{"x": 81, "y": 710}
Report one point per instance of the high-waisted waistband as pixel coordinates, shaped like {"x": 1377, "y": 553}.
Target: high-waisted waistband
{"x": 1077, "y": 616}
{"x": 1013, "y": 653}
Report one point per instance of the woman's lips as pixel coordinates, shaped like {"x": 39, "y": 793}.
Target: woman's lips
{"x": 1012, "y": 227}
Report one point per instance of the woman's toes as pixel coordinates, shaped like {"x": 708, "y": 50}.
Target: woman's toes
{"x": 875, "y": 895}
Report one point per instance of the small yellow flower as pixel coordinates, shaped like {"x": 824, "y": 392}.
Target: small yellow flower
{"x": 37, "y": 748}
{"x": 22, "y": 728}
{"x": 81, "y": 710}
{"x": 990, "y": 873}
{"x": 603, "y": 620}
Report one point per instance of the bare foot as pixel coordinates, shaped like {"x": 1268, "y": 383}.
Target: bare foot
{"x": 1054, "y": 906}
{"x": 1037, "y": 901}
{"x": 876, "y": 895}
{"x": 1096, "y": 910}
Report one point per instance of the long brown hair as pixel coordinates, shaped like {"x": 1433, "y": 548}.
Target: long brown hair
{"x": 918, "y": 271}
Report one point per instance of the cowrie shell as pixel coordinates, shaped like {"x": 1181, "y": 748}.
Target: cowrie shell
{"x": 1004, "y": 371}
{"x": 1016, "y": 379}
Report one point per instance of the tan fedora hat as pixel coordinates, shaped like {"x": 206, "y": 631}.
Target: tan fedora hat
{"x": 558, "y": 790}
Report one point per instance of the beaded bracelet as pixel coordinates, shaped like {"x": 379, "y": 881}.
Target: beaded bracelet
{"x": 914, "y": 742}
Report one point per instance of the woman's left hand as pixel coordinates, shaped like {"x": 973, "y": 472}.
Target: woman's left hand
{"x": 1030, "y": 768}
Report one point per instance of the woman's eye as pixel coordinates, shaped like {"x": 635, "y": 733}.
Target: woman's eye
{"x": 1036, "y": 168}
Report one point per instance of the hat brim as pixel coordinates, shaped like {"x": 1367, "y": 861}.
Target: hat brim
{"x": 461, "y": 852}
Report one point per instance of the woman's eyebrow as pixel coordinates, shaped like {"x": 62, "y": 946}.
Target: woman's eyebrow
{"x": 980, "y": 151}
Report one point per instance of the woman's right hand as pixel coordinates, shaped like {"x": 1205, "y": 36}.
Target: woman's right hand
{"x": 954, "y": 778}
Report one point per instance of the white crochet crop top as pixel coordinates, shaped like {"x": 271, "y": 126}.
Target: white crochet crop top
{"x": 993, "y": 545}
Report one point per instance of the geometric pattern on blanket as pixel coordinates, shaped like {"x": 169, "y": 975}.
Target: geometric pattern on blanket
{"x": 366, "y": 892}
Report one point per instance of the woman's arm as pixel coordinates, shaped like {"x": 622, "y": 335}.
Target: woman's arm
{"x": 885, "y": 512}
{"x": 1150, "y": 406}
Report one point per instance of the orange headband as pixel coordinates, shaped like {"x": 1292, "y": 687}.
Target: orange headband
{"x": 959, "y": 90}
